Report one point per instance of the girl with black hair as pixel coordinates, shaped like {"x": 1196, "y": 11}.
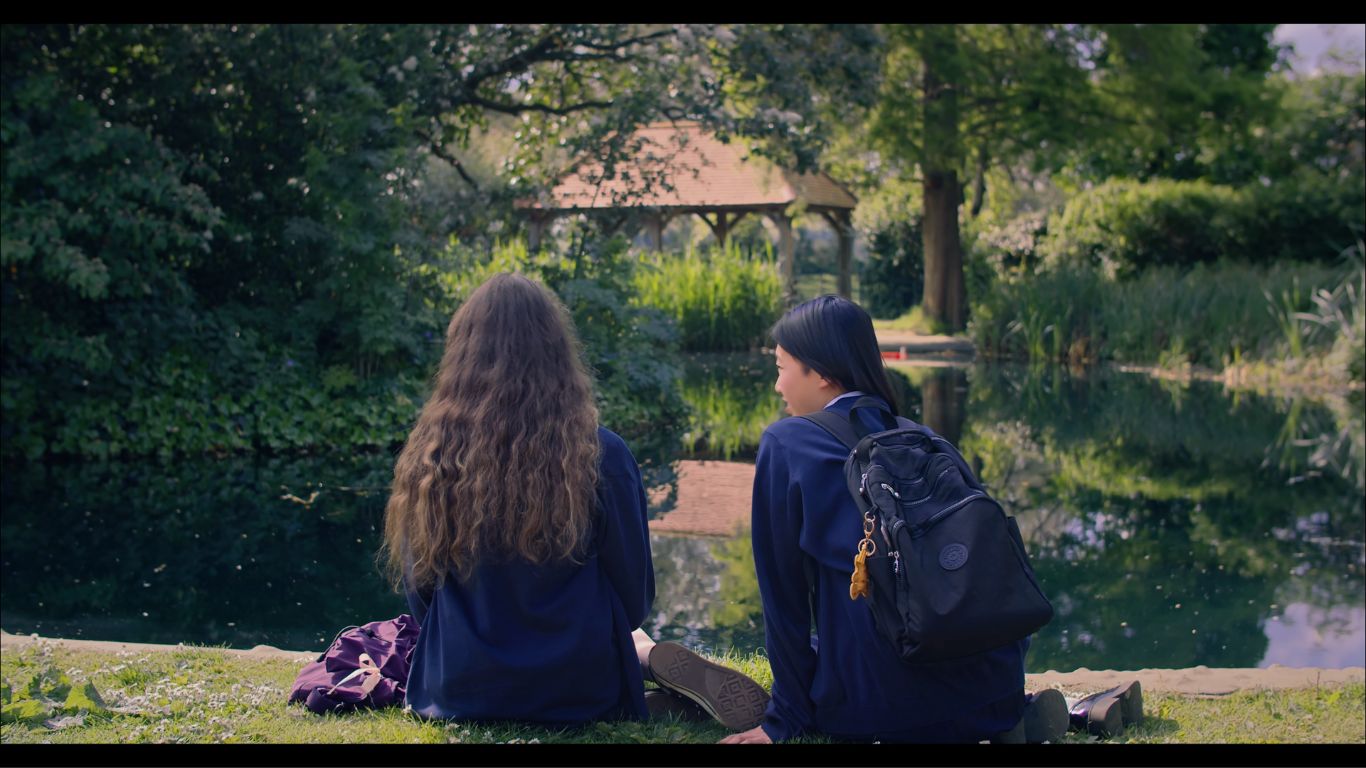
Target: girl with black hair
{"x": 847, "y": 682}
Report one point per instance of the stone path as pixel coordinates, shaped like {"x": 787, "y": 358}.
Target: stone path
{"x": 911, "y": 344}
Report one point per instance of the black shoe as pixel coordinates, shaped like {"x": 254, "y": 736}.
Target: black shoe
{"x": 1045, "y": 716}
{"x": 736, "y": 701}
{"x": 667, "y": 705}
{"x": 1044, "y": 720}
{"x": 1106, "y": 713}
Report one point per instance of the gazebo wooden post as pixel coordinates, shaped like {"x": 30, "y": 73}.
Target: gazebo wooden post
{"x": 843, "y": 225}
{"x": 720, "y": 228}
{"x": 787, "y": 250}
{"x": 654, "y": 222}
{"x": 534, "y": 230}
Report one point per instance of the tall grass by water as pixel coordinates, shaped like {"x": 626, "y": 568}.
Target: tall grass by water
{"x": 1214, "y": 316}
{"x": 720, "y": 298}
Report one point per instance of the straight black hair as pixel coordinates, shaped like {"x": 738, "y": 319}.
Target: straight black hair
{"x": 834, "y": 337}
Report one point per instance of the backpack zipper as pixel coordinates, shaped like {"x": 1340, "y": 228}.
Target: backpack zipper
{"x": 919, "y": 530}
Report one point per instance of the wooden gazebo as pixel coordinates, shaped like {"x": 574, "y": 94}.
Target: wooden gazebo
{"x": 681, "y": 169}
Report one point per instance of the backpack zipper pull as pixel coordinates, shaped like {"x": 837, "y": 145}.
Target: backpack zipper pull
{"x": 890, "y": 490}
{"x": 896, "y": 562}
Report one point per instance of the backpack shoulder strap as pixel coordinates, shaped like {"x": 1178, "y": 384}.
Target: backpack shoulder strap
{"x": 837, "y": 425}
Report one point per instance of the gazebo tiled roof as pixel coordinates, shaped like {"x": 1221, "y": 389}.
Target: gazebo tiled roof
{"x": 682, "y": 170}
{"x": 703, "y": 173}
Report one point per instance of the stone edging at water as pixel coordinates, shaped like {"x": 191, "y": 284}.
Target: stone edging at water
{"x": 1198, "y": 681}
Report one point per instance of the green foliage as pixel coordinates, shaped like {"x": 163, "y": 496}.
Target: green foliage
{"x": 1214, "y": 314}
{"x": 1183, "y": 101}
{"x": 893, "y": 278}
{"x": 720, "y": 299}
{"x": 1321, "y": 128}
{"x": 1305, "y": 216}
{"x": 198, "y": 218}
{"x": 48, "y": 694}
{"x": 1124, "y": 226}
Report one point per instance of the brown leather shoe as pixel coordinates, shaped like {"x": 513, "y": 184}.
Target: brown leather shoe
{"x": 736, "y": 701}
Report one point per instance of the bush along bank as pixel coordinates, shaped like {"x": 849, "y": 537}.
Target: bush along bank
{"x": 225, "y": 391}
{"x": 1287, "y": 320}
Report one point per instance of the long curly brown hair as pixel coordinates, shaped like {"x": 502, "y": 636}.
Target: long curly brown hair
{"x": 503, "y": 460}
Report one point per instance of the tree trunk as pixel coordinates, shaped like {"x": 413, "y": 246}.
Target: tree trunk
{"x": 944, "y": 299}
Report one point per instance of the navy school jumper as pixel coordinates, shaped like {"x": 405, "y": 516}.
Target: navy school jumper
{"x": 848, "y": 682}
{"x": 544, "y": 643}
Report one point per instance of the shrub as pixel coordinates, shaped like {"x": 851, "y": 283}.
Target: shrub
{"x": 893, "y": 278}
{"x": 1123, "y": 226}
{"x": 720, "y": 299}
{"x": 1013, "y": 248}
{"x": 1306, "y": 217}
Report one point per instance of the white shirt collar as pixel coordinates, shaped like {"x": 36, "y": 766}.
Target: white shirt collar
{"x": 837, "y": 398}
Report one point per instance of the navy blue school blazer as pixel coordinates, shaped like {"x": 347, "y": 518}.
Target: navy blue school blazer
{"x": 544, "y": 643}
{"x": 848, "y": 682}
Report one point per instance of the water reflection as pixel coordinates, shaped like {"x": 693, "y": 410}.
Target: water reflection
{"x": 235, "y": 551}
{"x": 732, "y": 401}
{"x": 1171, "y": 526}
{"x": 706, "y": 593}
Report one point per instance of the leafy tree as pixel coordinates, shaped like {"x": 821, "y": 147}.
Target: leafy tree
{"x": 956, "y": 101}
{"x": 951, "y": 96}
{"x": 233, "y": 203}
{"x": 1181, "y": 101}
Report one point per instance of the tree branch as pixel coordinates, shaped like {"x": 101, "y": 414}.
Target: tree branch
{"x": 440, "y": 151}
{"x": 520, "y": 60}
{"x": 517, "y": 109}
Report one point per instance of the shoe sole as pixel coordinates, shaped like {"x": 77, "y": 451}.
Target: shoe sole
{"x": 665, "y": 705}
{"x": 1106, "y": 718}
{"x": 736, "y": 701}
{"x": 1045, "y": 717}
{"x": 1131, "y": 704}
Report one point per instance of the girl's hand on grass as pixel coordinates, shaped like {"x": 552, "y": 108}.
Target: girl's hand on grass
{"x": 754, "y": 735}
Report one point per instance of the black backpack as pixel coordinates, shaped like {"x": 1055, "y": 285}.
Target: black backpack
{"x": 946, "y": 568}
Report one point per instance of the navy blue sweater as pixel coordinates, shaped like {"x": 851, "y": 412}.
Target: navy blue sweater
{"x": 850, "y": 683}
{"x": 544, "y": 643}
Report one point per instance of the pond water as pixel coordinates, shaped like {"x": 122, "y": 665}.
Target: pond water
{"x": 1170, "y": 525}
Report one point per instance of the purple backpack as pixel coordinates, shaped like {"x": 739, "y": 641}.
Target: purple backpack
{"x": 364, "y": 667}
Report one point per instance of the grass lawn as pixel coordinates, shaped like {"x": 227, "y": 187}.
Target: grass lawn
{"x": 201, "y": 695}
{"x": 913, "y": 320}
